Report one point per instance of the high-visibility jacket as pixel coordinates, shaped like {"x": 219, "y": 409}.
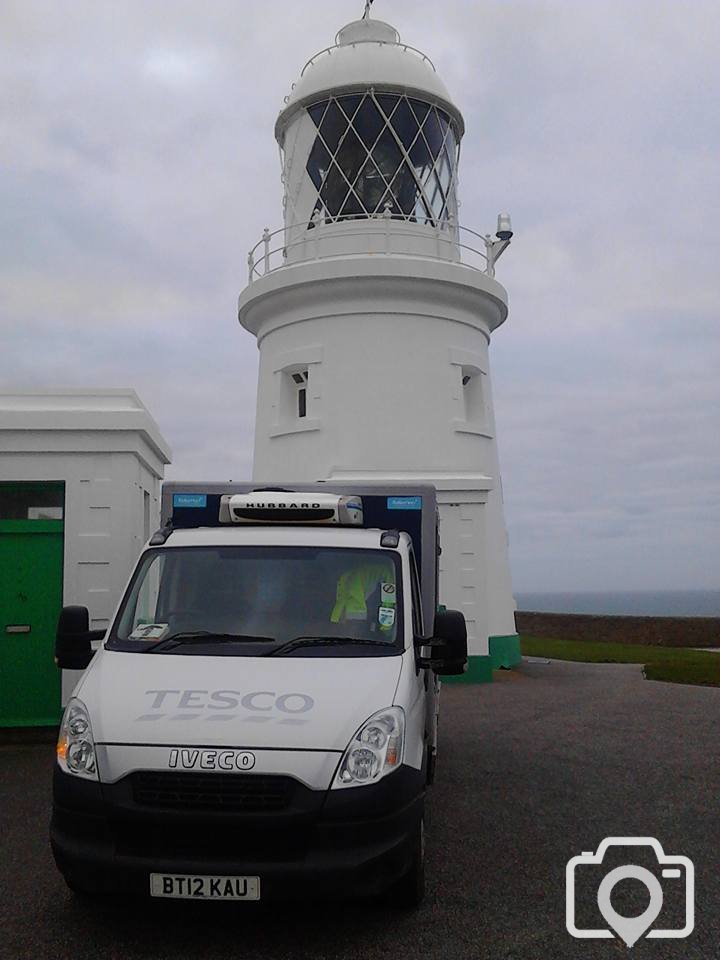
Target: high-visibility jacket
{"x": 353, "y": 589}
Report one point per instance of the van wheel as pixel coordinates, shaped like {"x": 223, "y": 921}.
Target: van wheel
{"x": 409, "y": 891}
{"x": 80, "y": 891}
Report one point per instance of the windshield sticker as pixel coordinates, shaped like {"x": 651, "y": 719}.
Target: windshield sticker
{"x": 388, "y": 594}
{"x": 386, "y": 616}
{"x": 149, "y": 631}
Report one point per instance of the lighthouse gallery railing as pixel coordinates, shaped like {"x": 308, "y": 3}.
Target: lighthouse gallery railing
{"x": 303, "y": 242}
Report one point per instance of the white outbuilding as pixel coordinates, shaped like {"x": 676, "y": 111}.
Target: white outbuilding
{"x": 80, "y": 474}
{"x": 373, "y": 310}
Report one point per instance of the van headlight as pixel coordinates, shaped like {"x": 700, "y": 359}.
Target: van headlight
{"x": 75, "y": 746}
{"x": 376, "y": 749}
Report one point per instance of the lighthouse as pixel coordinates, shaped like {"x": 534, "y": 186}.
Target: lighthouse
{"x": 373, "y": 309}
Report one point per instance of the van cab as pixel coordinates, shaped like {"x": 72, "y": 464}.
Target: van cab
{"x": 260, "y": 719}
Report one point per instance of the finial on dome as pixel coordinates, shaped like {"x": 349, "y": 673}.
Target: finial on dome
{"x": 366, "y": 29}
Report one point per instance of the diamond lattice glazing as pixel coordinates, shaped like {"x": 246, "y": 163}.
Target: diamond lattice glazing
{"x": 383, "y": 151}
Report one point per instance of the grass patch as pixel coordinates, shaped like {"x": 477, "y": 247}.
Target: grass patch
{"x": 670, "y": 664}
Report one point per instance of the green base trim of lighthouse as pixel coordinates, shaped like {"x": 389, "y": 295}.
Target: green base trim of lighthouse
{"x": 479, "y": 670}
{"x": 505, "y": 651}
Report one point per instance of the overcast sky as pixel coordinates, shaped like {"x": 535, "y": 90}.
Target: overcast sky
{"x": 138, "y": 166}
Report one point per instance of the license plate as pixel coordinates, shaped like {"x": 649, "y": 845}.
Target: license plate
{"x": 184, "y": 887}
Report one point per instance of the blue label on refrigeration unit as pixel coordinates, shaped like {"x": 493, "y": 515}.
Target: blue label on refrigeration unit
{"x": 404, "y": 503}
{"x": 189, "y": 500}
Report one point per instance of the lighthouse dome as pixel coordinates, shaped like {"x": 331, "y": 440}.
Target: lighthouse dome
{"x": 369, "y": 129}
{"x": 368, "y": 53}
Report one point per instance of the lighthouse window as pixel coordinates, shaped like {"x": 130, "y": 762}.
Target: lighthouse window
{"x": 473, "y": 394}
{"x": 378, "y": 153}
{"x": 300, "y": 382}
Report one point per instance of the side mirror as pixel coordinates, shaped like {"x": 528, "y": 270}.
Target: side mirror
{"x": 73, "y": 650}
{"x": 446, "y": 653}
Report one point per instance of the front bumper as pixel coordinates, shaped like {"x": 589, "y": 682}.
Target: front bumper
{"x": 353, "y": 842}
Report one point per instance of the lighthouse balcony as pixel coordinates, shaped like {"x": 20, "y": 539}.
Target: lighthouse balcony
{"x": 386, "y": 234}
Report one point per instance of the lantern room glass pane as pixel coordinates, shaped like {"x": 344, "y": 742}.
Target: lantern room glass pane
{"x": 405, "y": 123}
{"x": 334, "y": 124}
{"x": 405, "y": 192}
{"x": 368, "y": 122}
{"x": 387, "y": 155}
{"x": 318, "y": 163}
{"x": 388, "y": 103}
{"x": 317, "y": 111}
{"x": 420, "y": 110}
{"x": 433, "y": 134}
{"x": 421, "y": 159}
{"x": 333, "y": 191}
{"x": 351, "y": 155}
{"x": 377, "y": 152}
{"x": 370, "y": 186}
{"x": 444, "y": 172}
{"x": 352, "y": 207}
{"x": 350, "y": 104}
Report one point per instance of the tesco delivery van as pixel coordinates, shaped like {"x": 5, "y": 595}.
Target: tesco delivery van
{"x": 260, "y": 719}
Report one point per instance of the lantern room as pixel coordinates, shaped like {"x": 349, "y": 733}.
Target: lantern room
{"x": 369, "y": 130}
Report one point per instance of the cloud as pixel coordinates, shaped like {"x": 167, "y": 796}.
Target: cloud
{"x": 139, "y": 167}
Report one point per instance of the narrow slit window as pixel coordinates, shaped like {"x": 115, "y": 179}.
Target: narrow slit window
{"x": 473, "y": 394}
{"x": 302, "y": 402}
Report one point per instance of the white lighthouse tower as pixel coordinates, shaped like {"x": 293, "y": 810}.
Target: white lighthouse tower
{"x": 373, "y": 310}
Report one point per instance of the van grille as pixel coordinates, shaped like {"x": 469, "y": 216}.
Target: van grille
{"x": 249, "y": 793}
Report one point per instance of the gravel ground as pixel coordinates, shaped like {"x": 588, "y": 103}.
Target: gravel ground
{"x": 534, "y": 769}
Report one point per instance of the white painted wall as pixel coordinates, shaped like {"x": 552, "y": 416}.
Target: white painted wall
{"x": 107, "y": 449}
{"x": 386, "y": 341}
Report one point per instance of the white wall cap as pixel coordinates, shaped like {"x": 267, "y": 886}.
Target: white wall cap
{"x": 357, "y": 65}
{"x": 81, "y": 410}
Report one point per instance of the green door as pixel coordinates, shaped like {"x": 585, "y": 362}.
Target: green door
{"x": 31, "y": 564}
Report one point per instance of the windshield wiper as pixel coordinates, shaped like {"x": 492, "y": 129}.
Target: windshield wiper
{"x": 205, "y": 636}
{"x": 324, "y": 642}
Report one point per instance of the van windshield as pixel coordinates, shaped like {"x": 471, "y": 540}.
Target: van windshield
{"x": 258, "y": 601}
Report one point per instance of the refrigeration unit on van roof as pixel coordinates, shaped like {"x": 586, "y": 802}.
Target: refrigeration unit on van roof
{"x": 283, "y": 507}
{"x": 384, "y": 506}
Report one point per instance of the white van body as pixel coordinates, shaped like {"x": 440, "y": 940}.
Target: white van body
{"x": 210, "y": 765}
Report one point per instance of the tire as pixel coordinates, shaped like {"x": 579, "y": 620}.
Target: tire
{"x": 409, "y": 891}
{"x": 80, "y": 891}
{"x": 432, "y": 757}
{"x": 431, "y": 765}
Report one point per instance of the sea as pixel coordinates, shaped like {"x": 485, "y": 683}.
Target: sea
{"x": 641, "y": 603}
